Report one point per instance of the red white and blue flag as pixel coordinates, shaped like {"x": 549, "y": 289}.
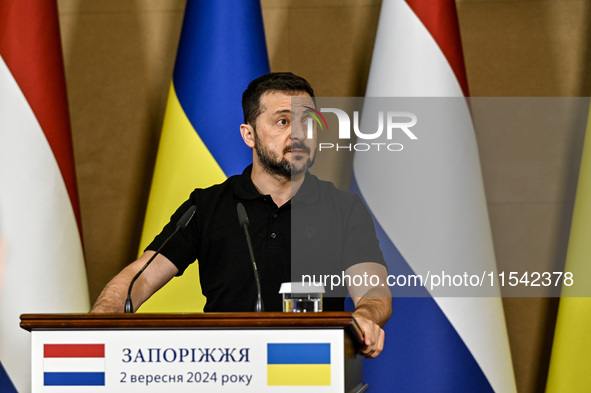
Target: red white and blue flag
{"x": 431, "y": 207}
{"x": 43, "y": 268}
{"x": 74, "y": 365}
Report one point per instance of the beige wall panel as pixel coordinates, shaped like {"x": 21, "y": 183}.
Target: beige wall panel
{"x": 530, "y": 236}
{"x": 118, "y": 67}
{"x": 529, "y": 147}
{"x": 527, "y": 236}
{"x": 119, "y": 6}
{"x": 332, "y": 47}
{"x": 526, "y": 48}
{"x": 531, "y": 322}
{"x": 276, "y": 20}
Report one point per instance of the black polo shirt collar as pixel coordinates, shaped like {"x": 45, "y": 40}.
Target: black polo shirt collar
{"x": 308, "y": 192}
{"x": 245, "y": 188}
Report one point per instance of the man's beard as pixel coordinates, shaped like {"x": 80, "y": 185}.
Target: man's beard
{"x": 282, "y": 167}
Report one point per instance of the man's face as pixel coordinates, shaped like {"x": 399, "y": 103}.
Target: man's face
{"x": 281, "y": 141}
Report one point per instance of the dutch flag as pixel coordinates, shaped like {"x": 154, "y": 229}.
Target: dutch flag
{"x": 74, "y": 365}
{"x": 430, "y": 210}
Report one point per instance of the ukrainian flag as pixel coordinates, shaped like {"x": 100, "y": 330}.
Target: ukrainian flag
{"x": 570, "y": 363}
{"x": 298, "y": 364}
{"x": 221, "y": 49}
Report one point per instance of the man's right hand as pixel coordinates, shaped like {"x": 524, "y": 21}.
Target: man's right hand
{"x": 112, "y": 298}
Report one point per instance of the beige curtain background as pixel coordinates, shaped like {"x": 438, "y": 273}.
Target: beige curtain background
{"x": 119, "y": 57}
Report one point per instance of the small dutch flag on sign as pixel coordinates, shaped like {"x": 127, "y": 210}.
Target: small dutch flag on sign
{"x": 74, "y": 365}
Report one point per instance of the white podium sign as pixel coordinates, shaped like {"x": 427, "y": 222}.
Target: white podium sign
{"x": 234, "y": 352}
{"x": 187, "y": 361}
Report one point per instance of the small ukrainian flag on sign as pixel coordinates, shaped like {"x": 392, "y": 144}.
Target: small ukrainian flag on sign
{"x": 298, "y": 364}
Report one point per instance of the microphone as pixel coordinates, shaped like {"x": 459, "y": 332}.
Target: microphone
{"x": 181, "y": 224}
{"x": 243, "y": 219}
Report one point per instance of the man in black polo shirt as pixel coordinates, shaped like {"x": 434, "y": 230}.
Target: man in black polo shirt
{"x": 299, "y": 224}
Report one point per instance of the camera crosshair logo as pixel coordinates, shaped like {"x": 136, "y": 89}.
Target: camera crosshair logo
{"x": 317, "y": 116}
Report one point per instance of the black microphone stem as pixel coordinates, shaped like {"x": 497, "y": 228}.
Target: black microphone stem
{"x": 181, "y": 224}
{"x": 243, "y": 219}
{"x": 128, "y": 303}
{"x": 259, "y": 304}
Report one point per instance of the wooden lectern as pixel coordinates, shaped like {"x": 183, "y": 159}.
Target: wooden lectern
{"x": 210, "y": 352}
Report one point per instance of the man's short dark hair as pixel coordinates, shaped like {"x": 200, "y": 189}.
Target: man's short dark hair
{"x": 284, "y": 82}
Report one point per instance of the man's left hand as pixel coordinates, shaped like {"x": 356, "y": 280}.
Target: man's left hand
{"x": 373, "y": 336}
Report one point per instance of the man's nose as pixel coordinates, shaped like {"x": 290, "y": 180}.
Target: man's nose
{"x": 298, "y": 131}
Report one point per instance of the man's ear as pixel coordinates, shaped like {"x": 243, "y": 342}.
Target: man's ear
{"x": 247, "y": 133}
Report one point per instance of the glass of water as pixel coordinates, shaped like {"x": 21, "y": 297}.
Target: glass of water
{"x": 298, "y": 297}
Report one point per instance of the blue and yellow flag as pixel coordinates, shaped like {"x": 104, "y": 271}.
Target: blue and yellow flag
{"x": 570, "y": 364}
{"x": 222, "y": 48}
{"x": 298, "y": 364}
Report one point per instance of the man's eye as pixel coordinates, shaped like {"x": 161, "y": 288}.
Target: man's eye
{"x": 282, "y": 122}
